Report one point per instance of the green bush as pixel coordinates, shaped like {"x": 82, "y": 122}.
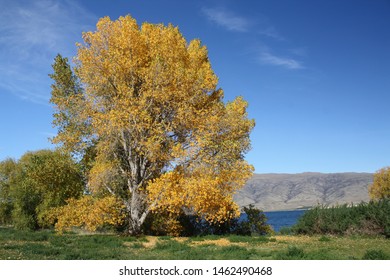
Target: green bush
{"x": 371, "y": 218}
{"x": 286, "y": 231}
{"x": 34, "y": 184}
{"x": 255, "y": 223}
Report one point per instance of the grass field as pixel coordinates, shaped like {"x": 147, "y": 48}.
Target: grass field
{"x": 43, "y": 245}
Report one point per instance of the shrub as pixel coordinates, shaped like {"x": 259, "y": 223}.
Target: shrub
{"x": 162, "y": 223}
{"x": 286, "y": 231}
{"x": 254, "y": 224}
{"x": 371, "y": 218}
{"x": 88, "y": 212}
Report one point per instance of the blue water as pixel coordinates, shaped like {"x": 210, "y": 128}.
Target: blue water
{"x": 280, "y": 219}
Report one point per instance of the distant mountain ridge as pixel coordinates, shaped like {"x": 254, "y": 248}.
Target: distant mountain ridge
{"x": 272, "y": 192}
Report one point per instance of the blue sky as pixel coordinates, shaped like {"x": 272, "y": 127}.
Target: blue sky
{"x": 316, "y": 74}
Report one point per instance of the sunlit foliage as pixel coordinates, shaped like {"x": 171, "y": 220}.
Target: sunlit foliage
{"x": 380, "y": 188}
{"x": 88, "y": 212}
{"x": 147, "y": 101}
{"x": 37, "y": 182}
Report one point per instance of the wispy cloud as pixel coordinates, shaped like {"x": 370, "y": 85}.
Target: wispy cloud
{"x": 227, "y": 19}
{"x": 264, "y": 29}
{"x": 31, "y": 34}
{"x": 271, "y": 32}
{"x": 266, "y": 57}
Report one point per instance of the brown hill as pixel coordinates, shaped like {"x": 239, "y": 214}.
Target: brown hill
{"x": 272, "y": 192}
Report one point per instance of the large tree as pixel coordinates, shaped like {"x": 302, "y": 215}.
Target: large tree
{"x": 147, "y": 103}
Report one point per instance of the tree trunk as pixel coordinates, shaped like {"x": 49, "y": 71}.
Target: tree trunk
{"x": 136, "y": 222}
{"x": 138, "y": 212}
{"x": 134, "y": 226}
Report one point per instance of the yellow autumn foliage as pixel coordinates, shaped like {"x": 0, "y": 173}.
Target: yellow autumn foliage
{"x": 87, "y": 212}
{"x": 163, "y": 136}
{"x": 380, "y": 188}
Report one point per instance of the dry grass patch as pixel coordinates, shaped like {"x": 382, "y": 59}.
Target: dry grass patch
{"x": 151, "y": 242}
{"x": 222, "y": 242}
{"x": 293, "y": 238}
{"x": 181, "y": 239}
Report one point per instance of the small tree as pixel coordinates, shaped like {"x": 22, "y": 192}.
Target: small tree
{"x": 380, "y": 188}
{"x": 42, "y": 180}
{"x": 255, "y": 222}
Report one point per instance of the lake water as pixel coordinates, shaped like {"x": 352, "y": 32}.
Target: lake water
{"x": 280, "y": 219}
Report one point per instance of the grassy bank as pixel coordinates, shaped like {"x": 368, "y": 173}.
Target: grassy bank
{"x": 48, "y": 245}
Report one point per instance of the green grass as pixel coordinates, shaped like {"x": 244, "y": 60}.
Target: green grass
{"x": 45, "y": 245}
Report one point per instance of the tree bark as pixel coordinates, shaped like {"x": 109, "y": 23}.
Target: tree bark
{"x": 138, "y": 212}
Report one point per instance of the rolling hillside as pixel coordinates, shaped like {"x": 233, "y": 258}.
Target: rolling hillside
{"x": 271, "y": 192}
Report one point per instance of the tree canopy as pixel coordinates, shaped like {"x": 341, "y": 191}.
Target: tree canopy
{"x": 380, "y": 188}
{"x": 34, "y": 184}
{"x": 146, "y": 103}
